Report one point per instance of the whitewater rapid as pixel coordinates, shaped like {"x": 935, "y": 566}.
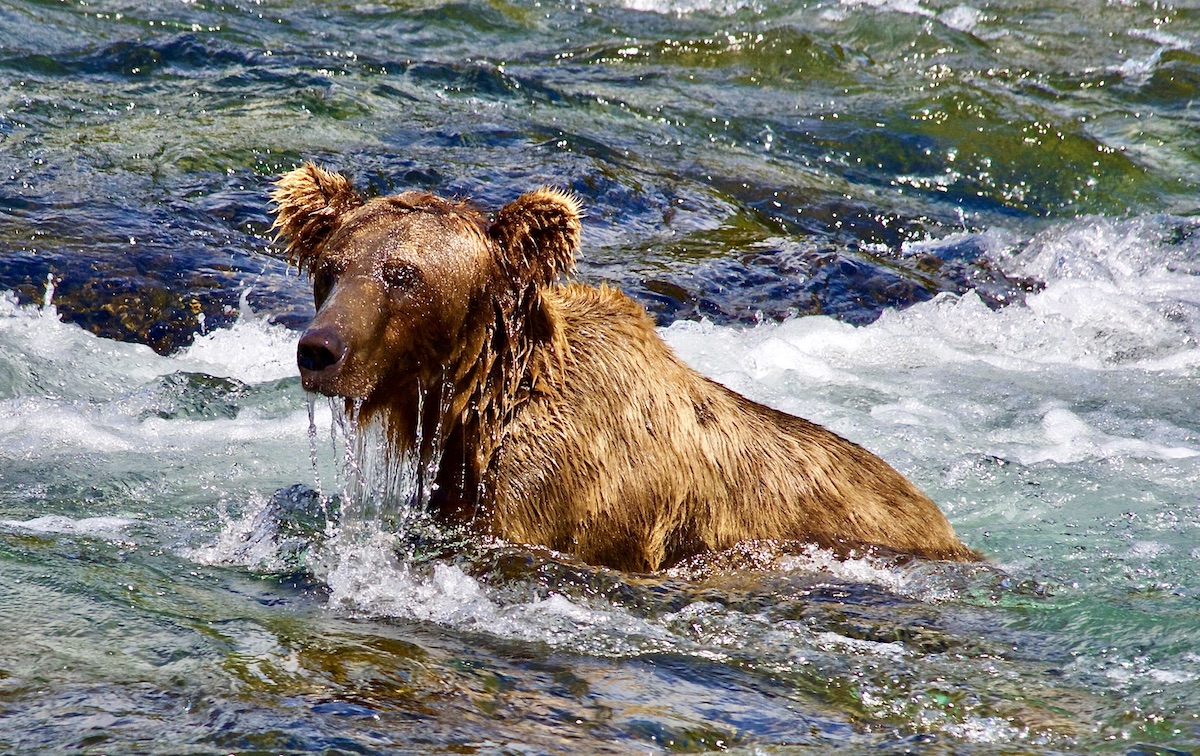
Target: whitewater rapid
{"x": 1059, "y": 434}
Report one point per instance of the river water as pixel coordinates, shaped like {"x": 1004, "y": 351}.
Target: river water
{"x": 964, "y": 235}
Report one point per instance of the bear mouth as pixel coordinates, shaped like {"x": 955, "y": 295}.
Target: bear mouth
{"x": 333, "y": 384}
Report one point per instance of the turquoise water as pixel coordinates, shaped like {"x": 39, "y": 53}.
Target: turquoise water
{"x": 961, "y": 234}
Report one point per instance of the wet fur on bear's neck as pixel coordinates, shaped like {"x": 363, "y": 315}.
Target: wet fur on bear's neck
{"x": 554, "y": 414}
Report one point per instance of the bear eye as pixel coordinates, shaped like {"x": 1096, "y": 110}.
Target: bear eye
{"x": 322, "y": 285}
{"x": 324, "y": 278}
{"x": 401, "y": 275}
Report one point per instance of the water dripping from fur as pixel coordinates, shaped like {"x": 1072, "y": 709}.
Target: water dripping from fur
{"x": 377, "y": 485}
{"x": 379, "y": 525}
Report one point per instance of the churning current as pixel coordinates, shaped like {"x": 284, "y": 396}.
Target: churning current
{"x": 962, "y": 235}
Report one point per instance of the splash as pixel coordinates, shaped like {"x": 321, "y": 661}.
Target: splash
{"x": 253, "y": 349}
{"x": 48, "y": 297}
{"x": 249, "y": 540}
{"x": 382, "y": 486}
{"x": 382, "y": 496}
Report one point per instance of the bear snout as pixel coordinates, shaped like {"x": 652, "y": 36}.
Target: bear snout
{"x": 318, "y": 355}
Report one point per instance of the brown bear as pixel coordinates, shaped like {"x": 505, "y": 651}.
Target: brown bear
{"x": 554, "y": 414}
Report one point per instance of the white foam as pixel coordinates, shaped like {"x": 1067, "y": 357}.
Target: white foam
{"x": 925, "y": 581}
{"x": 1149, "y": 549}
{"x": 1129, "y": 672}
{"x": 360, "y": 559}
{"x": 912, "y": 7}
{"x": 687, "y": 7}
{"x": 1067, "y": 438}
{"x": 35, "y": 427}
{"x": 67, "y": 391}
{"x": 963, "y": 18}
{"x": 1172, "y": 677}
{"x": 858, "y": 645}
{"x": 40, "y": 428}
{"x": 1120, "y": 308}
{"x": 1117, "y": 293}
{"x": 42, "y": 356}
{"x": 252, "y": 350}
{"x": 975, "y": 729}
{"x": 1137, "y": 71}
{"x": 103, "y": 527}
{"x": 366, "y": 578}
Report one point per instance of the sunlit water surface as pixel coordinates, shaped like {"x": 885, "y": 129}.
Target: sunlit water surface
{"x": 962, "y": 235}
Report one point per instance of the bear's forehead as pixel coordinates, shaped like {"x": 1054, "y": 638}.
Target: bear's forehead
{"x": 411, "y": 223}
{"x": 391, "y": 217}
{"x": 416, "y": 209}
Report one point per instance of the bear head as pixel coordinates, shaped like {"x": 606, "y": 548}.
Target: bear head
{"x": 412, "y": 289}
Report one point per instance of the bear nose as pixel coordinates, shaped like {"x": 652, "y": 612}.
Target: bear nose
{"x": 319, "y": 349}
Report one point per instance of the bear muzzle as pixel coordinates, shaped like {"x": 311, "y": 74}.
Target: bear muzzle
{"x": 320, "y": 356}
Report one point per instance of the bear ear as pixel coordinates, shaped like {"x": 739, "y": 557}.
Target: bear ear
{"x": 308, "y": 202}
{"x": 537, "y": 235}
